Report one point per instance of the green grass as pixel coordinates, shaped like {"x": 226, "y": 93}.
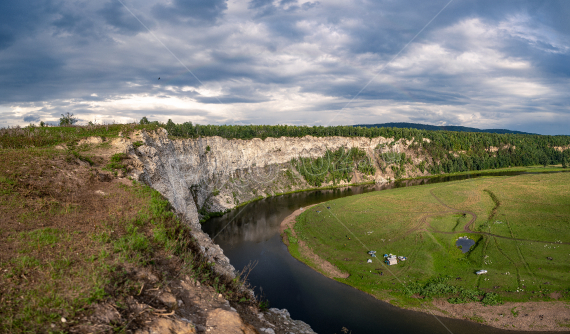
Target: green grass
{"x": 528, "y": 169}
{"x": 60, "y": 271}
{"x": 116, "y": 163}
{"x": 41, "y": 237}
{"x": 34, "y": 137}
{"x": 409, "y": 222}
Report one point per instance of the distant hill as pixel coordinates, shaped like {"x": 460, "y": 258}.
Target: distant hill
{"x": 437, "y": 127}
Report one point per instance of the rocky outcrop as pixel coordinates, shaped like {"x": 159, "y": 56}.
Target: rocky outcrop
{"x": 212, "y": 174}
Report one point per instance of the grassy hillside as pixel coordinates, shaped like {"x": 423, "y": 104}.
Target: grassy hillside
{"x": 519, "y": 224}
{"x": 76, "y": 241}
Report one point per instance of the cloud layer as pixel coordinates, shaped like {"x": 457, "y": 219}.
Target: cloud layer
{"x": 485, "y": 64}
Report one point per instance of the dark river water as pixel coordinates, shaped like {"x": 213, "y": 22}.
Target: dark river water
{"x": 251, "y": 235}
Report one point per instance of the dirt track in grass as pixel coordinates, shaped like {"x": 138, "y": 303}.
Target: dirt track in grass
{"x": 467, "y": 227}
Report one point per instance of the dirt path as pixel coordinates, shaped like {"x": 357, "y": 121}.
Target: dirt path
{"x": 467, "y": 227}
{"x": 324, "y": 266}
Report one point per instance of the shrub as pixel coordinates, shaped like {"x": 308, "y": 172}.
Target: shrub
{"x": 67, "y": 120}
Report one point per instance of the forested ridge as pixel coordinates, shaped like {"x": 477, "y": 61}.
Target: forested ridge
{"x": 450, "y": 151}
{"x": 445, "y": 151}
{"x": 438, "y": 127}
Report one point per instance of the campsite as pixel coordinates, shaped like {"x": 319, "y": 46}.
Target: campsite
{"x": 521, "y": 248}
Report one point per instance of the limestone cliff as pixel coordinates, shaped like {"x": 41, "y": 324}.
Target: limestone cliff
{"x": 214, "y": 174}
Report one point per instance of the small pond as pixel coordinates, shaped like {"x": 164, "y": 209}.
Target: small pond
{"x": 464, "y": 244}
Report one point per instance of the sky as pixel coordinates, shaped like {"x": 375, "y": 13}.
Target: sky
{"x": 478, "y": 63}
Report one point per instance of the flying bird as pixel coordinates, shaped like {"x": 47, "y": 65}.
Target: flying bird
{"x": 158, "y": 78}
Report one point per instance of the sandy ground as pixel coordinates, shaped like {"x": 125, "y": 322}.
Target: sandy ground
{"x": 325, "y": 267}
{"x": 529, "y": 316}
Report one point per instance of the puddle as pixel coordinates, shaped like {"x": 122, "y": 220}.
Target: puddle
{"x": 464, "y": 243}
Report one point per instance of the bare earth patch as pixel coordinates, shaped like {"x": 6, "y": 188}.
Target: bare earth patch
{"x": 529, "y": 316}
{"x": 326, "y": 267}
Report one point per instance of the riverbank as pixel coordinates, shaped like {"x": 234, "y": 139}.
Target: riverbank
{"x": 523, "y": 316}
{"x": 302, "y": 250}
{"x": 528, "y": 169}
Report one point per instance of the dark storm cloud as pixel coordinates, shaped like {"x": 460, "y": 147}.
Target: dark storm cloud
{"x": 118, "y": 17}
{"x": 74, "y": 24}
{"x": 22, "y": 18}
{"x": 190, "y": 11}
{"x": 32, "y": 118}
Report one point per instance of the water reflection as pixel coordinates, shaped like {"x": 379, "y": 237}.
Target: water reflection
{"x": 464, "y": 244}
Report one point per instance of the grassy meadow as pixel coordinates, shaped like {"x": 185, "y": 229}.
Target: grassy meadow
{"x": 520, "y": 225}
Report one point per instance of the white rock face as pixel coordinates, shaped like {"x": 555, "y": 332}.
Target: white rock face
{"x": 214, "y": 174}
{"x": 188, "y": 171}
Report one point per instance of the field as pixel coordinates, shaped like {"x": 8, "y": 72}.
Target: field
{"x": 520, "y": 225}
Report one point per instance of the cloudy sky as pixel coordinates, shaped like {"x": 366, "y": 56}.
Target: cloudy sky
{"x": 486, "y": 64}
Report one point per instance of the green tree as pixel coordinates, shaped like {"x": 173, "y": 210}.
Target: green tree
{"x": 171, "y": 128}
{"x": 67, "y": 120}
{"x": 144, "y": 121}
{"x": 543, "y": 159}
{"x": 565, "y": 163}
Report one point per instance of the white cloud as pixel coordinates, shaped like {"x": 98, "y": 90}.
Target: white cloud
{"x": 536, "y": 34}
{"x": 294, "y": 66}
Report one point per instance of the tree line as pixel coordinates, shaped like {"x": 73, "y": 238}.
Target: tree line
{"x": 450, "y": 151}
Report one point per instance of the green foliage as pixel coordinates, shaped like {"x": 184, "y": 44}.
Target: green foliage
{"x": 6, "y": 180}
{"x": 82, "y": 158}
{"x": 264, "y": 305}
{"x": 103, "y": 237}
{"x": 42, "y": 237}
{"x": 67, "y": 119}
{"x": 422, "y": 166}
{"x": 116, "y": 162}
{"x": 334, "y": 166}
{"x": 514, "y": 312}
{"x": 491, "y": 298}
{"x": 132, "y": 242}
{"x": 28, "y": 137}
{"x": 144, "y": 121}
{"x": 118, "y": 157}
{"x": 440, "y": 287}
{"x": 138, "y": 144}
{"x": 514, "y": 149}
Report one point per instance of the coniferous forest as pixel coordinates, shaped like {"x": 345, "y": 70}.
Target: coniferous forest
{"x": 451, "y": 151}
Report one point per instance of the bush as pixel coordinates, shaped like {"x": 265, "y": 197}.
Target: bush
{"x": 491, "y": 298}
{"x": 67, "y": 120}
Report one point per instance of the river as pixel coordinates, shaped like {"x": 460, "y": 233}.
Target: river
{"x": 250, "y": 235}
